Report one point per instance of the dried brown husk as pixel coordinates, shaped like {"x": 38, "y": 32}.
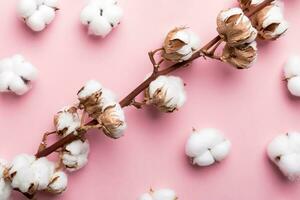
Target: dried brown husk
{"x": 240, "y": 57}
{"x": 236, "y": 30}
{"x": 91, "y": 104}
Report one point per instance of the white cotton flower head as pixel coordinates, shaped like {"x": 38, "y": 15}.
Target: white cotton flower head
{"x": 58, "y": 183}
{"x": 5, "y": 187}
{"x": 180, "y": 44}
{"x": 29, "y": 174}
{"x": 292, "y": 75}
{"x": 37, "y": 14}
{"x": 161, "y": 194}
{"x": 16, "y": 74}
{"x": 67, "y": 121}
{"x": 75, "y": 155}
{"x": 101, "y": 16}
{"x": 284, "y": 151}
{"x": 167, "y": 93}
{"x": 207, "y": 146}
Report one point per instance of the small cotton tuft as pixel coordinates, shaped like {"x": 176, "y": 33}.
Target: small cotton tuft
{"x": 16, "y": 74}
{"x": 101, "y": 16}
{"x": 207, "y": 146}
{"x": 37, "y": 14}
{"x": 162, "y": 194}
{"x": 292, "y": 75}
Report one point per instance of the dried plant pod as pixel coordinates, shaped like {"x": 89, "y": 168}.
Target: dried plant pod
{"x": 270, "y": 23}
{"x": 113, "y": 121}
{"x": 180, "y": 44}
{"x": 246, "y": 5}
{"x": 235, "y": 28}
{"x": 241, "y": 57}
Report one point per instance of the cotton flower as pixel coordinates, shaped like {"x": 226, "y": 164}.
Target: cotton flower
{"x": 16, "y": 74}
{"x": 180, "y": 44}
{"x": 37, "y": 13}
{"x": 75, "y": 155}
{"x": 67, "y": 121}
{"x": 101, "y": 16}
{"x": 292, "y": 75}
{"x": 58, "y": 183}
{"x": 5, "y": 187}
{"x": 270, "y": 22}
{"x": 166, "y": 93}
{"x": 284, "y": 151}
{"x": 162, "y": 194}
{"x": 242, "y": 57}
{"x": 207, "y": 146}
{"x": 248, "y": 4}
{"x": 235, "y": 27}
{"x": 29, "y": 174}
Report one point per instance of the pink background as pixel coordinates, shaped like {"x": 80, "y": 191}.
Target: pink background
{"x": 250, "y": 106}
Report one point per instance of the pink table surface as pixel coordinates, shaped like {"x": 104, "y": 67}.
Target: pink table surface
{"x": 250, "y": 106}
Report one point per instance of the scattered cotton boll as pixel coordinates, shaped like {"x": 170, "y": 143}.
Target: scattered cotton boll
{"x": 180, "y": 44}
{"x": 292, "y": 67}
{"x": 162, "y": 194}
{"x": 37, "y": 13}
{"x": 5, "y": 187}
{"x": 29, "y": 174}
{"x": 67, "y": 121}
{"x": 207, "y": 146}
{"x": 16, "y": 74}
{"x": 101, "y": 16}
{"x": 294, "y": 85}
{"x": 167, "y": 93}
{"x": 284, "y": 151}
{"x": 75, "y": 155}
{"x": 58, "y": 183}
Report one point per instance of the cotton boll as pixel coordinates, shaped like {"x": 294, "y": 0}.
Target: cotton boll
{"x": 166, "y": 93}
{"x": 75, "y": 155}
{"x": 43, "y": 170}
{"x": 36, "y": 21}
{"x": 58, "y": 183}
{"x": 292, "y": 67}
{"x": 26, "y": 8}
{"x": 16, "y": 74}
{"x": 67, "y": 121}
{"x": 101, "y": 16}
{"x": 294, "y": 86}
{"x": 207, "y": 146}
{"x": 284, "y": 151}
{"x": 5, "y": 187}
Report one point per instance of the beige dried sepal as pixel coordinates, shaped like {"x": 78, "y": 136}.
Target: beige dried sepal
{"x": 235, "y": 28}
{"x": 241, "y": 57}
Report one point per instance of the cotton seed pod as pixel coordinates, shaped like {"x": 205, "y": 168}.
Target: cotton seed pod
{"x": 162, "y": 194}
{"x": 270, "y": 22}
{"x": 180, "y": 44}
{"x": 29, "y": 174}
{"x": 167, "y": 93}
{"x": 16, "y": 74}
{"x": 5, "y": 187}
{"x": 241, "y": 57}
{"x": 37, "y": 13}
{"x": 292, "y": 75}
{"x": 248, "y": 4}
{"x": 284, "y": 151}
{"x": 67, "y": 121}
{"x": 101, "y": 16}
{"x": 113, "y": 121}
{"x": 58, "y": 183}
{"x": 235, "y": 28}
{"x": 75, "y": 155}
{"x": 207, "y": 146}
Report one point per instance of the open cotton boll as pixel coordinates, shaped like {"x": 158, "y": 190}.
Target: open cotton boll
{"x": 5, "y": 187}
{"x": 101, "y": 16}
{"x": 166, "y": 93}
{"x": 67, "y": 121}
{"x": 37, "y": 14}
{"x": 75, "y": 155}
{"x": 284, "y": 151}
{"x": 58, "y": 183}
{"x": 162, "y": 194}
{"x": 180, "y": 44}
{"x": 292, "y": 67}
{"x": 16, "y": 74}
{"x": 207, "y": 146}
